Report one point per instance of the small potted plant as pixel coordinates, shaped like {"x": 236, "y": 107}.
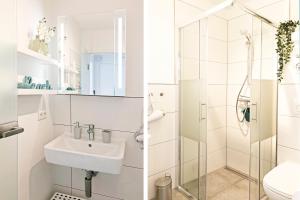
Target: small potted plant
{"x": 285, "y": 45}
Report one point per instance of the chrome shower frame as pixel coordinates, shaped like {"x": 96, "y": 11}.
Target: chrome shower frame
{"x": 224, "y": 5}
{"x": 206, "y": 14}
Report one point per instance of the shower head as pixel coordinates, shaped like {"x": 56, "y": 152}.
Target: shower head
{"x": 247, "y": 35}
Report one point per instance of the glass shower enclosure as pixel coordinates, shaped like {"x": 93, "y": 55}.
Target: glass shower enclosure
{"x": 247, "y": 147}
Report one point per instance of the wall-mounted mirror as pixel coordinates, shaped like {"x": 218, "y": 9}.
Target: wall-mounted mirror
{"x": 92, "y": 53}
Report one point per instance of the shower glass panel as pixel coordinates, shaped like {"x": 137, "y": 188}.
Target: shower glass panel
{"x": 244, "y": 116}
{"x": 193, "y": 107}
{"x": 264, "y": 107}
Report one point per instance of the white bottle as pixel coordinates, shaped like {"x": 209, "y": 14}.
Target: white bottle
{"x": 77, "y": 130}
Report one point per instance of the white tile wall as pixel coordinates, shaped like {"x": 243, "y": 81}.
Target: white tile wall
{"x": 238, "y": 160}
{"x": 231, "y": 118}
{"x": 127, "y": 185}
{"x": 161, "y": 43}
{"x": 217, "y": 50}
{"x": 124, "y": 117}
{"x": 163, "y": 149}
{"x": 62, "y": 175}
{"x": 216, "y": 140}
{"x": 237, "y": 145}
{"x": 80, "y": 193}
{"x": 237, "y": 141}
{"x": 216, "y": 160}
{"x": 212, "y": 76}
{"x": 163, "y": 130}
{"x": 62, "y": 109}
{"x": 31, "y": 148}
{"x": 189, "y": 171}
{"x": 41, "y": 184}
{"x": 162, "y": 157}
{"x": 288, "y": 154}
{"x": 237, "y": 51}
{"x": 190, "y": 149}
{"x": 216, "y": 95}
{"x": 190, "y": 71}
{"x": 164, "y": 97}
{"x": 236, "y": 73}
{"x": 216, "y": 68}
{"x": 217, "y": 28}
{"x": 237, "y": 55}
{"x": 293, "y": 11}
{"x": 238, "y": 25}
{"x": 108, "y": 113}
{"x": 289, "y": 100}
{"x": 184, "y": 12}
{"x": 216, "y": 118}
{"x": 281, "y": 7}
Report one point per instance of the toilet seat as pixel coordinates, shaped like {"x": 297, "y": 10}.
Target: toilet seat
{"x": 283, "y": 180}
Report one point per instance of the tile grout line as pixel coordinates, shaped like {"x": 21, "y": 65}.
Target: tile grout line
{"x": 164, "y": 170}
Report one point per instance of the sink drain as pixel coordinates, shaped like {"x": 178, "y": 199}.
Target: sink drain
{"x": 61, "y": 196}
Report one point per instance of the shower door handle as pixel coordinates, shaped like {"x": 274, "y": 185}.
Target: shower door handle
{"x": 203, "y": 111}
{"x": 253, "y": 111}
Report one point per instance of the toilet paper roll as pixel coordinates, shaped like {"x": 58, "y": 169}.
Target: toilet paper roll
{"x": 140, "y": 138}
{"x": 156, "y": 115}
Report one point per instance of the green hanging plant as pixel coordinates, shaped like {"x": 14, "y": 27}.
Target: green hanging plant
{"x": 285, "y": 45}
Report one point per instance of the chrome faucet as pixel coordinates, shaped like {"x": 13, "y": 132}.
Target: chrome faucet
{"x": 91, "y": 131}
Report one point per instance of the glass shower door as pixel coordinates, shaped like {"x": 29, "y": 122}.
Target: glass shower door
{"x": 193, "y": 119}
{"x": 8, "y": 102}
{"x": 264, "y": 108}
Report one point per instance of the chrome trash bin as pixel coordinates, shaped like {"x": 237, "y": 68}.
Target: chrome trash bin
{"x": 164, "y": 188}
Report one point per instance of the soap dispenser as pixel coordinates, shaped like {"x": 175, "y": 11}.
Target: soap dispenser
{"x": 77, "y": 130}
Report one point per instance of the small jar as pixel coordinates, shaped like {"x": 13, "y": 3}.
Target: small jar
{"x": 106, "y": 136}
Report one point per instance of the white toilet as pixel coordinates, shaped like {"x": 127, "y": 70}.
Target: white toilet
{"x": 282, "y": 182}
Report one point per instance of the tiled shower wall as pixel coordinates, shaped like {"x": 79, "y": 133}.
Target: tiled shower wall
{"x": 289, "y": 101}
{"x": 124, "y": 117}
{"x": 216, "y": 63}
{"x": 238, "y": 145}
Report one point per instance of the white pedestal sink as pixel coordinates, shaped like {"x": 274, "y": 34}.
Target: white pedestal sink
{"x": 84, "y": 154}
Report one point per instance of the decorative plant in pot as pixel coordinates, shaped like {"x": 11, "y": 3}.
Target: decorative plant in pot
{"x": 285, "y": 44}
{"x": 43, "y": 37}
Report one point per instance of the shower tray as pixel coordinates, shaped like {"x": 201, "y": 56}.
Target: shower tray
{"x": 61, "y": 196}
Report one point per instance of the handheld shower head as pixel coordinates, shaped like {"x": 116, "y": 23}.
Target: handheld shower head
{"x": 247, "y": 35}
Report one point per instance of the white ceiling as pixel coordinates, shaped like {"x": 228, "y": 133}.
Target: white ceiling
{"x": 230, "y": 12}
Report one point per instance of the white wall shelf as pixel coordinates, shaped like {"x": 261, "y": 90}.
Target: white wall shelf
{"x": 37, "y": 57}
{"x": 23, "y": 92}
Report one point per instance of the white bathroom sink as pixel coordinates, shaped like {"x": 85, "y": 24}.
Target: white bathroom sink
{"x": 84, "y": 154}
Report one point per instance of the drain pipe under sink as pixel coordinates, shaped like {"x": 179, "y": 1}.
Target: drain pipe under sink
{"x": 88, "y": 182}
